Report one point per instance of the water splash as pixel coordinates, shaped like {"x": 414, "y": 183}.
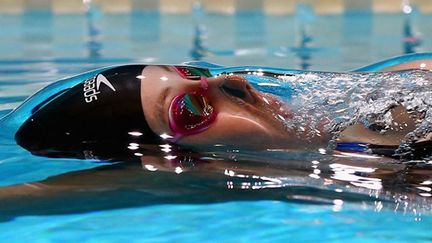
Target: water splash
{"x": 327, "y": 103}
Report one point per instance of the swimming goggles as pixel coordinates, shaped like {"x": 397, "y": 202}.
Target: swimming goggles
{"x": 192, "y": 112}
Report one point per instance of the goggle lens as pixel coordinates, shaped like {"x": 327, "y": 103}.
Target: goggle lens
{"x": 190, "y": 113}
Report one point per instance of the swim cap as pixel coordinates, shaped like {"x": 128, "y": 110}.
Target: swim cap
{"x": 102, "y": 110}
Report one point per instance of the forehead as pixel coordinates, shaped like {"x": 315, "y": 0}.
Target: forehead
{"x": 156, "y": 83}
{"x": 156, "y": 73}
{"x": 164, "y": 74}
{"x": 159, "y": 69}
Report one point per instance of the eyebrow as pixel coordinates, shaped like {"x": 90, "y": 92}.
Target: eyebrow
{"x": 160, "y": 111}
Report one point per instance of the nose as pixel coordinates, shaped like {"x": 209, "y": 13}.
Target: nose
{"x": 235, "y": 87}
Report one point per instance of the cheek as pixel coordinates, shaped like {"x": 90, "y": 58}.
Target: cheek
{"x": 241, "y": 123}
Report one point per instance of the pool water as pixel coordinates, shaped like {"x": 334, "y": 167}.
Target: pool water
{"x": 216, "y": 196}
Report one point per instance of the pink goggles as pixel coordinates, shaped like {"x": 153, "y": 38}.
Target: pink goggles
{"x": 191, "y": 113}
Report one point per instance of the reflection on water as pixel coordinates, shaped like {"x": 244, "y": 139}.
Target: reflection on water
{"x": 199, "y": 50}
{"x": 411, "y": 38}
{"x": 37, "y": 31}
{"x": 305, "y": 17}
{"x": 94, "y": 43}
{"x": 167, "y": 177}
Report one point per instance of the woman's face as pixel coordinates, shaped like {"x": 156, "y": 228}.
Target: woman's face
{"x": 245, "y": 118}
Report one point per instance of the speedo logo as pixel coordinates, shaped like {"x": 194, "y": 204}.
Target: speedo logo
{"x": 92, "y": 87}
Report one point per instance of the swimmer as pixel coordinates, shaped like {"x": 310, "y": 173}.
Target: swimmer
{"x": 249, "y": 108}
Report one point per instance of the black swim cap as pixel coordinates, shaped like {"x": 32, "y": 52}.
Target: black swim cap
{"x": 102, "y": 110}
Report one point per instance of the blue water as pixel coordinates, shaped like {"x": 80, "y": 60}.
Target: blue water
{"x": 231, "y": 222}
{"x": 302, "y": 197}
